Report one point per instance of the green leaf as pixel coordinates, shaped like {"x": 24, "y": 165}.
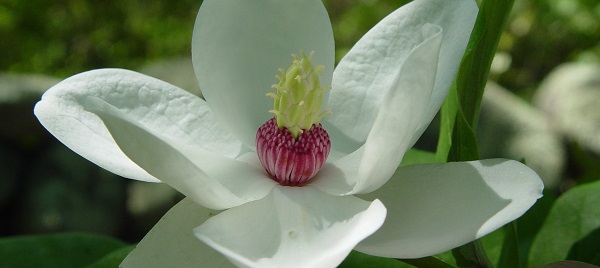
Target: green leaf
{"x": 113, "y": 259}
{"x": 510, "y": 247}
{"x": 358, "y": 259}
{"x": 493, "y": 243}
{"x": 587, "y": 249}
{"x": 574, "y": 216}
{"x": 475, "y": 66}
{"x": 464, "y": 143}
{"x": 447, "y": 118}
{"x": 56, "y": 250}
{"x": 416, "y": 156}
{"x": 427, "y": 262}
{"x": 471, "y": 255}
{"x": 568, "y": 264}
{"x": 530, "y": 224}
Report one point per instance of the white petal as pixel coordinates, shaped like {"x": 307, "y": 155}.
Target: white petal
{"x": 155, "y": 104}
{"x": 207, "y": 178}
{"x": 238, "y": 45}
{"x": 292, "y": 227}
{"x": 457, "y": 19}
{"x": 171, "y": 242}
{"x": 372, "y": 165}
{"x": 369, "y": 70}
{"x": 436, "y": 207}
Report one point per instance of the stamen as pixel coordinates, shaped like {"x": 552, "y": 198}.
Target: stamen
{"x": 293, "y": 146}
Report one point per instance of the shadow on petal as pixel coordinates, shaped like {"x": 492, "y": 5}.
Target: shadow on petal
{"x": 436, "y": 207}
{"x": 293, "y": 227}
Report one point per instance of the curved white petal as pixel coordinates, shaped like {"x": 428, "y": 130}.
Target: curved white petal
{"x": 207, "y": 178}
{"x": 292, "y": 227}
{"x": 171, "y": 242}
{"x": 436, "y": 207}
{"x": 369, "y": 70}
{"x": 238, "y": 45}
{"x": 400, "y": 114}
{"x": 153, "y": 103}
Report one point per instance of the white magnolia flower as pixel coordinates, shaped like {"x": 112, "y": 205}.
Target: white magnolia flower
{"x": 384, "y": 93}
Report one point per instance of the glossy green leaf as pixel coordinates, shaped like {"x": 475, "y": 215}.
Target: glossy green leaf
{"x": 574, "y": 216}
{"x": 56, "y": 250}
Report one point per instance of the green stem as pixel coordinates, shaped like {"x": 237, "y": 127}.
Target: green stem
{"x": 457, "y": 138}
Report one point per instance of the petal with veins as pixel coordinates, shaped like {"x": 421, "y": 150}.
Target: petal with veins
{"x": 292, "y": 227}
{"x": 372, "y": 165}
{"x": 238, "y": 45}
{"x": 365, "y": 75}
{"x": 153, "y": 103}
{"x": 207, "y": 178}
{"x": 436, "y": 207}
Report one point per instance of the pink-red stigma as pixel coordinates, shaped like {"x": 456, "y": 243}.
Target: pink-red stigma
{"x": 289, "y": 161}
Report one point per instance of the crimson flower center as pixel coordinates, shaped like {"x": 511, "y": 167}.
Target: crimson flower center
{"x": 290, "y": 161}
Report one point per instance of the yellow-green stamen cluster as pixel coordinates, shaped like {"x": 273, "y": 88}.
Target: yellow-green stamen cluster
{"x": 299, "y": 96}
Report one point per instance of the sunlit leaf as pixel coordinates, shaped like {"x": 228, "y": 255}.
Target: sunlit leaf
{"x": 416, "y": 156}
{"x": 447, "y": 118}
{"x": 574, "y": 216}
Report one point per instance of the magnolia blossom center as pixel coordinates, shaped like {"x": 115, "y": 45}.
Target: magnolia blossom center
{"x": 290, "y": 161}
{"x": 293, "y": 146}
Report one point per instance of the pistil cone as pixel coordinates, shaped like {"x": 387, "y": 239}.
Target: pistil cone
{"x": 289, "y": 161}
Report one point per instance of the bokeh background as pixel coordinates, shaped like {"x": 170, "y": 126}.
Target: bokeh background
{"x": 542, "y": 103}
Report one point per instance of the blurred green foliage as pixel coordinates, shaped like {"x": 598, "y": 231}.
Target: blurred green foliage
{"x": 542, "y": 34}
{"x": 69, "y": 36}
